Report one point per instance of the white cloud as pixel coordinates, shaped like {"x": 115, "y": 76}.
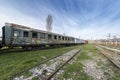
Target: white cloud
{"x": 85, "y": 25}
{"x": 14, "y": 16}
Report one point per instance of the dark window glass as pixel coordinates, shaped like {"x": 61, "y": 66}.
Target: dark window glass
{"x": 68, "y": 39}
{"x": 62, "y": 38}
{"x": 65, "y": 38}
{"x": 42, "y": 35}
{"x": 25, "y": 34}
{"x": 59, "y": 37}
{"x": 55, "y": 37}
{"x": 50, "y": 37}
{"x": 34, "y": 35}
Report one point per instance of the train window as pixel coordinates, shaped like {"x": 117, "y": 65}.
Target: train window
{"x": 72, "y": 39}
{"x": 26, "y": 34}
{"x": 34, "y": 35}
{"x": 65, "y": 38}
{"x": 59, "y": 37}
{"x": 68, "y": 38}
{"x": 50, "y": 37}
{"x": 55, "y": 37}
{"x": 62, "y": 38}
{"x": 42, "y": 35}
{"x": 16, "y": 33}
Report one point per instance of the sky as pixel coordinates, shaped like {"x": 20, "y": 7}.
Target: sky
{"x": 87, "y": 19}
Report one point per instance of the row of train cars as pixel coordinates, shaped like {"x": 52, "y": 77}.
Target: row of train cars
{"x": 14, "y": 35}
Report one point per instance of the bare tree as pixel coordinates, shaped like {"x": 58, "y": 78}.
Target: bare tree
{"x": 49, "y": 23}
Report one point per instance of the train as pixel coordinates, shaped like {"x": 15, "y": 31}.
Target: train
{"x": 14, "y": 35}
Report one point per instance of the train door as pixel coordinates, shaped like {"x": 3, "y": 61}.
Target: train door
{"x": 16, "y": 37}
{"x": 7, "y": 35}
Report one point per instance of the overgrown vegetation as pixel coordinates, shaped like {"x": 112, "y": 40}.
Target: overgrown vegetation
{"x": 12, "y": 63}
{"x": 75, "y": 71}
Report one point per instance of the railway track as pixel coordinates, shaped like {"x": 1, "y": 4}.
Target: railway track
{"x": 21, "y": 72}
{"x": 57, "y": 70}
{"x": 49, "y": 72}
{"x": 113, "y": 57}
{"x": 111, "y": 49}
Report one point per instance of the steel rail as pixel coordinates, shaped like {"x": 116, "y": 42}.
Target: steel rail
{"x": 115, "y": 64}
{"x": 111, "y": 49}
{"x": 57, "y": 70}
{"x": 19, "y": 73}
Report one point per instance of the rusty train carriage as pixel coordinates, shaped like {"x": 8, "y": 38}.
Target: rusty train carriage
{"x": 17, "y": 35}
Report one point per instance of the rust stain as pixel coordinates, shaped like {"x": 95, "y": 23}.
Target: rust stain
{"x": 17, "y": 26}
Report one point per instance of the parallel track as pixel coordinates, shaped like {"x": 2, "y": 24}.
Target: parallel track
{"x": 111, "y": 49}
{"x": 111, "y": 60}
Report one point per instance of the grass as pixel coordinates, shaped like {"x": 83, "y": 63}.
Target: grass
{"x": 87, "y": 49}
{"x": 12, "y": 63}
{"x": 107, "y": 67}
{"x": 75, "y": 71}
{"x": 35, "y": 78}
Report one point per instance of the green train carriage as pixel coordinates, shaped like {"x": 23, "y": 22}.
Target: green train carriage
{"x": 18, "y": 35}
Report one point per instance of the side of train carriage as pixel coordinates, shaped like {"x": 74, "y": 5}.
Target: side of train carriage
{"x": 17, "y": 35}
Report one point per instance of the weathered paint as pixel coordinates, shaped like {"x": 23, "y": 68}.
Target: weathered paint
{"x": 11, "y": 38}
{"x": 8, "y": 35}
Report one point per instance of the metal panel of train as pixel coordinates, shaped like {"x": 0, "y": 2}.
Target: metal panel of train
{"x": 17, "y": 35}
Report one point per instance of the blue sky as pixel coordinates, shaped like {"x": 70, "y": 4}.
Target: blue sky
{"x": 85, "y": 18}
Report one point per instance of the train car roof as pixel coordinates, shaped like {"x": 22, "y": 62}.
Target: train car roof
{"x": 32, "y": 29}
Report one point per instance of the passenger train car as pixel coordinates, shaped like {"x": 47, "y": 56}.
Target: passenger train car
{"x": 26, "y": 37}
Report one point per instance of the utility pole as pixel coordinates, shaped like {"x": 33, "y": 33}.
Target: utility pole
{"x": 109, "y": 37}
